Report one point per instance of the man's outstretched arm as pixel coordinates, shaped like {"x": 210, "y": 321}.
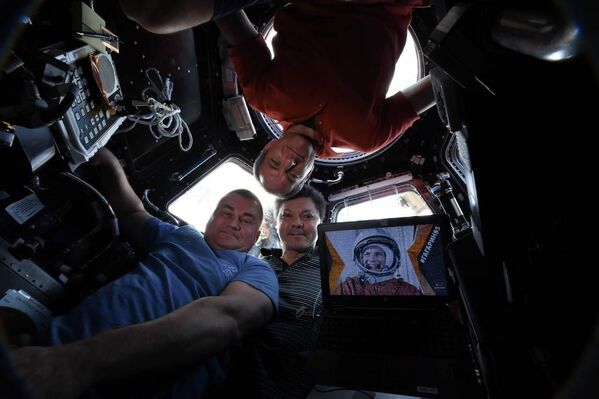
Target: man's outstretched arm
{"x": 168, "y": 16}
{"x": 128, "y": 207}
{"x": 390, "y": 120}
{"x": 251, "y": 60}
{"x": 186, "y": 336}
{"x": 236, "y": 28}
{"x": 421, "y": 94}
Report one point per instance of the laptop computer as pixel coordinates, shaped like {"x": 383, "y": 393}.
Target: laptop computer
{"x": 388, "y": 323}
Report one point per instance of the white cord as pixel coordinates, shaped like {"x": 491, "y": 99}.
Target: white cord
{"x": 315, "y": 303}
{"x": 163, "y": 117}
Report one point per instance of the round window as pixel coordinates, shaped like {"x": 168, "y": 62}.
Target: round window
{"x": 408, "y": 70}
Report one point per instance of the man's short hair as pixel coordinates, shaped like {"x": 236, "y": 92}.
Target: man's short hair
{"x": 257, "y": 162}
{"x": 251, "y": 196}
{"x": 306, "y": 191}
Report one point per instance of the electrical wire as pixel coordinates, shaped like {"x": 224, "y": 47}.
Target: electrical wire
{"x": 146, "y": 201}
{"x": 162, "y": 117}
{"x": 109, "y": 216}
{"x": 315, "y": 303}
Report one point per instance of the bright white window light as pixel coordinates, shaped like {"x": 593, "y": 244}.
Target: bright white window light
{"x": 406, "y": 68}
{"x": 197, "y": 204}
{"x": 392, "y": 205}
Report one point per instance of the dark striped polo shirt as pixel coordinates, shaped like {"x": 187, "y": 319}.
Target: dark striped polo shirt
{"x": 272, "y": 363}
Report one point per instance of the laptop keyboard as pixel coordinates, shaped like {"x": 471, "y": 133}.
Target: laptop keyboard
{"x": 392, "y": 336}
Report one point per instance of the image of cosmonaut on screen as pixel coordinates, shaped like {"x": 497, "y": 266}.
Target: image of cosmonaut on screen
{"x": 385, "y": 262}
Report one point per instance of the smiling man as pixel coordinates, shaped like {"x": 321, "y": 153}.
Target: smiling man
{"x": 233, "y": 224}
{"x": 284, "y": 165}
{"x": 376, "y": 268}
{"x": 374, "y": 257}
{"x": 168, "y": 321}
{"x": 272, "y": 363}
{"x": 326, "y": 90}
{"x": 297, "y": 220}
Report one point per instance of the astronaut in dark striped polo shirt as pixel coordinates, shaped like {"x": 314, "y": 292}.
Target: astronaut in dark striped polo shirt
{"x": 272, "y": 363}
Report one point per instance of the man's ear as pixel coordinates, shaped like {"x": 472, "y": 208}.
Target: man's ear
{"x": 308, "y": 175}
{"x": 257, "y": 236}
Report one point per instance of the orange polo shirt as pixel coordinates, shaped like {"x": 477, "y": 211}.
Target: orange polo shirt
{"x": 333, "y": 62}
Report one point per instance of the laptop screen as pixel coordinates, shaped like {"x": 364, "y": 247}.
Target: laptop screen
{"x": 388, "y": 261}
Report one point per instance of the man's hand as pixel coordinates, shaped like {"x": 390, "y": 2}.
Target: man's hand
{"x": 104, "y": 158}
{"x": 168, "y": 16}
{"x": 236, "y": 28}
{"x": 185, "y": 337}
{"x": 421, "y": 94}
{"x": 51, "y": 372}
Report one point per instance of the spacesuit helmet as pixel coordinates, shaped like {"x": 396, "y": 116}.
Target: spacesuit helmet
{"x": 376, "y": 253}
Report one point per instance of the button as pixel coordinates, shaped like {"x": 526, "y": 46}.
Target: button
{"x": 95, "y": 130}
{"x": 77, "y": 116}
{"x": 87, "y": 92}
{"x": 93, "y": 121}
{"x": 103, "y": 122}
{"x": 86, "y": 139}
{"x": 87, "y": 107}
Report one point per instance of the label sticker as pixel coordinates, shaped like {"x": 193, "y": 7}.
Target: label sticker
{"x": 423, "y": 389}
{"x": 24, "y": 209}
{"x": 25, "y": 303}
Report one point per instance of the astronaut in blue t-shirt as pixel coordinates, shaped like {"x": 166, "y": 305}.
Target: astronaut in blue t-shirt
{"x": 165, "y": 326}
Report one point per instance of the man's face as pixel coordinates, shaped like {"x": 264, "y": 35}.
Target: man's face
{"x": 296, "y": 224}
{"x": 287, "y": 163}
{"x": 234, "y": 224}
{"x": 373, "y": 258}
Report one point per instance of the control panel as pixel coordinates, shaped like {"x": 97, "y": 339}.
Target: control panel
{"x": 91, "y": 120}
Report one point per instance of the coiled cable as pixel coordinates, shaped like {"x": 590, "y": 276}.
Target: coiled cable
{"x": 162, "y": 117}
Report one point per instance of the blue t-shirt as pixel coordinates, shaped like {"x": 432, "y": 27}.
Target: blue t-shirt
{"x": 180, "y": 268}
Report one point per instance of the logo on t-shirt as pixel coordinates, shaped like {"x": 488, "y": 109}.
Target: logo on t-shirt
{"x": 229, "y": 269}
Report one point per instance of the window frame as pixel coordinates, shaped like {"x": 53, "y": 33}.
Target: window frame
{"x": 236, "y": 158}
{"x": 399, "y": 184}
